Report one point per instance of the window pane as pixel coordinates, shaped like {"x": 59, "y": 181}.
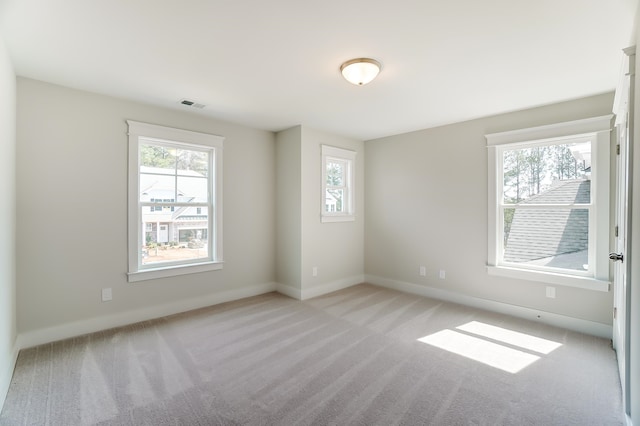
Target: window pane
{"x": 157, "y": 187}
{"x": 335, "y": 173}
{"x": 333, "y": 200}
{"x": 158, "y": 157}
{"x": 190, "y": 161}
{"x": 158, "y": 174}
{"x": 556, "y": 238}
{"x": 192, "y": 189}
{"x": 547, "y": 174}
{"x": 182, "y": 239}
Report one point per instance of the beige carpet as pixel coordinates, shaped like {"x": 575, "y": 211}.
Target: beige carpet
{"x": 348, "y": 358}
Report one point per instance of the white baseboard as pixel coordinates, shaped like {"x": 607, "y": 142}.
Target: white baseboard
{"x": 294, "y": 293}
{"x": 330, "y": 287}
{"x": 557, "y": 320}
{"x": 6, "y": 374}
{"x": 90, "y": 325}
{"x": 319, "y": 290}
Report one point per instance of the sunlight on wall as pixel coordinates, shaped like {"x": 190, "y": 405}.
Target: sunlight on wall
{"x": 479, "y": 342}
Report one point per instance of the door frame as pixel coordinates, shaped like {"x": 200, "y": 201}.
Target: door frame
{"x": 623, "y": 108}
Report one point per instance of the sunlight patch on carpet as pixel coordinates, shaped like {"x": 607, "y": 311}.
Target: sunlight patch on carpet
{"x": 488, "y": 345}
{"x": 522, "y": 340}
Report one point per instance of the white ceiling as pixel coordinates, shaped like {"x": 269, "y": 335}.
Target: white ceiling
{"x": 275, "y": 64}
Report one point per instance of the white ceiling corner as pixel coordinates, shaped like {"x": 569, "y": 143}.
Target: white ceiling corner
{"x": 273, "y": 65}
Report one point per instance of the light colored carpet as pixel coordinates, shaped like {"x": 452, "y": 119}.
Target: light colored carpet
{"x": 348, "y": 358}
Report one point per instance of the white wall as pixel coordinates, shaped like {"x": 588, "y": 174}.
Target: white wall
{"x": 335, "y": 248}
{"x": 426, "y": 204}
{"x": 72, "y": 214}
{"x": 8, "y": 350}
{"x": 288, "y": 211}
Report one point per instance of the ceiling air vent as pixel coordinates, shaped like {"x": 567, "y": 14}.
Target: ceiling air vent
{"x": 191, "y": 104}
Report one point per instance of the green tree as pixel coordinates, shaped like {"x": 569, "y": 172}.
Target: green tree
{"x": 537, "y": 166}
{"x": 515, "y": 172}
{"x": 565, "y": 166}
{"x": 193, "y": 160}
{"x": 335, "y": 178}
{"x": 157, "y": 156}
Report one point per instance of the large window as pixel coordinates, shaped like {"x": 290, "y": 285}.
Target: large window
{"x": 549, "y": 203}
{"x": 338, "y": 170}
{"x": 175, "y": 195}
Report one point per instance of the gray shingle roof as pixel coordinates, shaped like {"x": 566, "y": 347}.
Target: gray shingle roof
{"x": 543, "y": 233}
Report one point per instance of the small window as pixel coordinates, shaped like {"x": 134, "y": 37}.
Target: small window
{"x": 549, "y": 205}
{"x": 172, "y": 174}
{"x": 338, "y": 171}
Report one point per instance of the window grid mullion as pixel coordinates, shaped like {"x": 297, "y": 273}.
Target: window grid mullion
{"x": 545, "y": 206}
{"x": 169, "y": 204}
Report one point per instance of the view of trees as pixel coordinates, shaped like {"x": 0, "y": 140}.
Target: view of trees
{"x": 335, "y": 180}
{"x": 530, "y": 171}
{"x": 167, "y": 158}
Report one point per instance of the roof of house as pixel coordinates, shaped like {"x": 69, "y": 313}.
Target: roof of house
{"x": 544, "y": 233}
{"x": 160, "y": 183}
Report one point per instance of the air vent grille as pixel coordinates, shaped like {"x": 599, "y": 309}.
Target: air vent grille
{"x": 192, "y": 104}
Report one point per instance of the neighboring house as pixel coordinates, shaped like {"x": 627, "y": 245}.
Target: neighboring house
{"x": 168, "y": 224}
{"x": 331, "y": 202}
{"x": 552, "y": 237}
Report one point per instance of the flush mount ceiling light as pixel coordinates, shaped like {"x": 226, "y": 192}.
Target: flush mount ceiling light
{"x": 360, "y": 71}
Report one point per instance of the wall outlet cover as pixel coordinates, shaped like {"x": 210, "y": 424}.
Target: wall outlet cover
{"x": 106, "y": 294}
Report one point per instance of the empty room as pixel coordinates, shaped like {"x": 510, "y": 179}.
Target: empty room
{"x": 329, "y": 213}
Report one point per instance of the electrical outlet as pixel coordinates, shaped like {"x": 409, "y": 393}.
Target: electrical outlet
{"x": 423, "y": 271}
{"x": 442, "y": 274}
{"x": 314, "y": 271}
{"x": 551, "y": 292}
{"x": 106, "y": 294}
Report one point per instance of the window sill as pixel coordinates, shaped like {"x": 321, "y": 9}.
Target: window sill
{"x": 586, "y": 283}
{"x": 345, "y": 218}
{"x": 173, "y": 271}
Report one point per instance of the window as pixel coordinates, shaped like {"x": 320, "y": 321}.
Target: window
{"x": 175, "y": 201}
{"x": 159, "y": 208}
{"x": 338, "y": 171}
{"x": 549, "y": 203}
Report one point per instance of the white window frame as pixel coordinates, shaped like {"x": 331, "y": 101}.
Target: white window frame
{"x": 348, "y": 203}
{"x": 140, "y": 133}
{"x": 597, "y": 130}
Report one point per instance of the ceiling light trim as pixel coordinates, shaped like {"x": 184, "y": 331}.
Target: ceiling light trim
{"x": 360, "y": 71}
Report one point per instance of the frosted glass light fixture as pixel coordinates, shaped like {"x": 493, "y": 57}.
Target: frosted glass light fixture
{"x": 360, "y": 71}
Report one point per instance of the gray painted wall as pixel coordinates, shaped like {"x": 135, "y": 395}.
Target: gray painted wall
{"x": 426, "y": 204}
{"x": 72, "y": 204}
{"x": 288, "y": 207}
{"x": 337, "y": 248}
{"x": 304, "y": 242}
{"x": 7, "y": 220}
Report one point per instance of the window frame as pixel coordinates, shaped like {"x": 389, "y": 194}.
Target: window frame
{"x": 348, "y": 157}
{"x": 597, "y": 130}
{"x": 144, "y": 133}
